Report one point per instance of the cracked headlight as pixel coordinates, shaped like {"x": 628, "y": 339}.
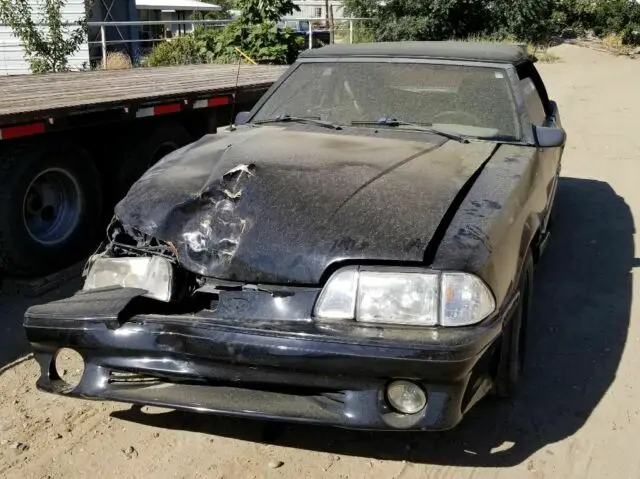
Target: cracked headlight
{"x": 153, "y": 274}
{"x": 405, "y": 297}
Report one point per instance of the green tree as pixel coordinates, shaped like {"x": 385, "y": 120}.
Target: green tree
{"x": 398, "y": 20}
{"x": 362, "y": 8}
{"x": 527, "y": 20}
{"x": 534, "y": 21}
{"x": 261, "y": 11}
{"x": 47, "y": 41}
{"x": 613, "y": 16}
{"x": 256, "y": 33}
{"x": 223, "y": 14}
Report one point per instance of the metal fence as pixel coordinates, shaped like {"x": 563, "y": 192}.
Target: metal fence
{"x": 344, "y": 30}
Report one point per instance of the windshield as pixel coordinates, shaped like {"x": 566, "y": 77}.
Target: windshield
{"x": 468, "y": 100}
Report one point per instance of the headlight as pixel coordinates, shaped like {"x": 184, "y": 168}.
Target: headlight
{"x": 408, "y": 297}
{"x": 153, "y": 274}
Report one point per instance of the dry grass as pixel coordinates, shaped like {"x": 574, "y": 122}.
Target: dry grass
{"x": 613, "y": 42}
{"x": 541, "y": 52}
{"x": 118, "y": 61}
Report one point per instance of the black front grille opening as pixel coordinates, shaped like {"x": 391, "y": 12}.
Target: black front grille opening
{"x": 335, "y": 396}
{"x": 325, "y": 396}
{"x": 125, "y": 377}
{"x": 122, "y": 377}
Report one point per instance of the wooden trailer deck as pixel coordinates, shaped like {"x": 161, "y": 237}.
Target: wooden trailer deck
{"x": 37, "y": 97}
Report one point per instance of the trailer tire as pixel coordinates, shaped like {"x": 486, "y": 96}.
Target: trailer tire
{"x": 147, "y": 151}
{"x": 51, "y": 208}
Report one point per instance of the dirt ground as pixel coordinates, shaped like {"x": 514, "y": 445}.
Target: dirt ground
{"x": 577, "y": 416}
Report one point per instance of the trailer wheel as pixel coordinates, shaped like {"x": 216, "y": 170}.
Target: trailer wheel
{"x": 51, "y": 205}
{"x": 147, "y": 151}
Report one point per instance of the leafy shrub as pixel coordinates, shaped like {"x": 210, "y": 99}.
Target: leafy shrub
{"x": 263, "y": 42}
{"x": 631, "y": 34}
{"x": 398, "y": 20}
{"x": 433, "y": 20}
{"x": 177, "y": 51}
{"x": 527, "y": 20}
{"x": 255, "y": 33}
{"x": 609, "y": 16}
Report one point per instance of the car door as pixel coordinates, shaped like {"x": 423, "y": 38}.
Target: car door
{"x": 549, "y": 165}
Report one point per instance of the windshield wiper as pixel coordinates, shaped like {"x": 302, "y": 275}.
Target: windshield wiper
{"x": 426, "y": 127}
{"x": 314, "y": 120}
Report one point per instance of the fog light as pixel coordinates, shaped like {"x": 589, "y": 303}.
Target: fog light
{"x": 406, "y": 397}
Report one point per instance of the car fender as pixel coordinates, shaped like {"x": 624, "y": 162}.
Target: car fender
{"x": 497, "y": 222}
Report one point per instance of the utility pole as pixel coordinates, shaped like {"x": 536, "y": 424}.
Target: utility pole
{"x": 326, "y": 13}
{"x": 331, "y": 26}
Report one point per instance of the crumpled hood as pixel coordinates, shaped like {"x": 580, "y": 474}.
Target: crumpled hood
{"x": 280, "y": 205}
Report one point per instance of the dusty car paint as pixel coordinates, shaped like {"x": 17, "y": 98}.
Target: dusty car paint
{"x": 344, "y": 196}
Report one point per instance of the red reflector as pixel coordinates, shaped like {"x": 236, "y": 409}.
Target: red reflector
{"x": 219, "y": 101}
{"x": 164, "y": 109}
{"x": 22, "y": 130}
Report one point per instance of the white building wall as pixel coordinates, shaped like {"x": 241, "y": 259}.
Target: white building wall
{"x": 12, "y": 59}
{"x": 311, "y": 9}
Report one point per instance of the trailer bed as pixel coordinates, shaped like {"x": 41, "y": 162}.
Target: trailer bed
{"x": 37, "y": 97}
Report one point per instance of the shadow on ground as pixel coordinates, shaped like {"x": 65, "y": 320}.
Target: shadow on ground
{"x": 13, "y": 342}
{"x": 583, "y": 298}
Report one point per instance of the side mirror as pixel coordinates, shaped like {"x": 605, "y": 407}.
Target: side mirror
{"x": 242, "y": 117}
{"x": 549, "y": 137}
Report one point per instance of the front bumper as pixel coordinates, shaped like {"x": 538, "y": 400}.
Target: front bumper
{"x": 307, "y": 374}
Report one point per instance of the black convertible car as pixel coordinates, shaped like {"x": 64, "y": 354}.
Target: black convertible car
{"x": 359, "y": 251}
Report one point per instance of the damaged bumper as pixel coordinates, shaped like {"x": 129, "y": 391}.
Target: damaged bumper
{"x": 293, "y": 370}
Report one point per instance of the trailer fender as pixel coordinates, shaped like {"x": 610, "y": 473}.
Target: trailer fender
{"x": 146, "y": 147}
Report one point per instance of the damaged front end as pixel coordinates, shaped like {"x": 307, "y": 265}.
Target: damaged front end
{"x": 132, "y": 259}
{"x": 161, "y": 335}
{"x": 229, "y": 280}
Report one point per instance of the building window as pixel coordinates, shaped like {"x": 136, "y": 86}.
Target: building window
{"x": 318, "y": 11}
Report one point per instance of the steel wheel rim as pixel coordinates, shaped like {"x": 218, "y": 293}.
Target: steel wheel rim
{"x": 52, "y": 206}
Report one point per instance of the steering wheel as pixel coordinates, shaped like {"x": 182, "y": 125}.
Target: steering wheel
{"x": 469, "y": 119}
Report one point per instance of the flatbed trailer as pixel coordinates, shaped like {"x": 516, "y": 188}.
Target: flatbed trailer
{"x": 72, "y": 144}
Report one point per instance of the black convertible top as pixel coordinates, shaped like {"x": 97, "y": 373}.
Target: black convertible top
{"x": 445, "y": 50}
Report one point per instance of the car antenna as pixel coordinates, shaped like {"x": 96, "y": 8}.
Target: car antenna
{"x": 232, "y": 127}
